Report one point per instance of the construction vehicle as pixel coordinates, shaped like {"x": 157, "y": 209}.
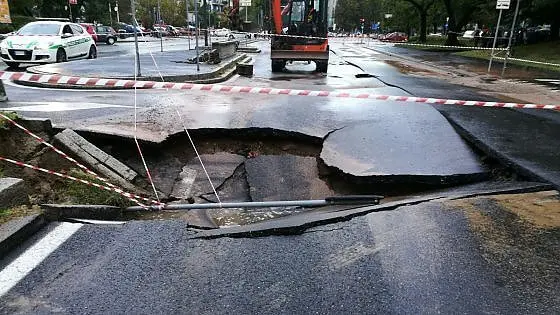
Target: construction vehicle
{"x": 303, "y": 27}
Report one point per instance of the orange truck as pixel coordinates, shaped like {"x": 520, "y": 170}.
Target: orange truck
{"x": 304, "y": 26}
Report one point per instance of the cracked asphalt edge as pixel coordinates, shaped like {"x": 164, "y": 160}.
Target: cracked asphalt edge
{"x": 298, "y": 224}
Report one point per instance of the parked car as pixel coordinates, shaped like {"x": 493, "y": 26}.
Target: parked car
{"x": 47, "y": 42}
{"x": 222, "y": 32}
{"x": 127, "y": 30}
{"x": 395, "y": 37}
{"x": 90, "y": 28}
{"x": 160, "y": 31}
{"x": 172, "y": 30}
{"x": 106, "y": 34}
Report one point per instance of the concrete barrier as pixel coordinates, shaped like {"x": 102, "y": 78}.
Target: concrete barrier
{"x": 225, "y": 49}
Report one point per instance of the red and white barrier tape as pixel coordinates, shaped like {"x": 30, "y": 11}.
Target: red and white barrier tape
{"x": 530, "y": 61}
{"x": 83, "y": 181}
{"x": 78, "y": 164}
{"x": 98, "y": 82}
{"x": 453, "y": 47}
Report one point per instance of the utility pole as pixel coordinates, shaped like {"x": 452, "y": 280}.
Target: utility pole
{"x": 133, "y": 9}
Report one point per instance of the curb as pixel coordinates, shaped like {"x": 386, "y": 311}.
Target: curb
{"x": 215, "y": 76}
{"x": 19, "y": 230}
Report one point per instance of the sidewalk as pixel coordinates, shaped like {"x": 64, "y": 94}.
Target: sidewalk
{"x": 169, "y": 64}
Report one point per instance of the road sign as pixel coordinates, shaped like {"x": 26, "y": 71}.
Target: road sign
{"x": 245, "y": 3}
{"x": 503, "y": 4}
{"x": 5, "y": 12}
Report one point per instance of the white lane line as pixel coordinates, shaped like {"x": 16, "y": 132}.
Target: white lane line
{"x": 34, "y": 255}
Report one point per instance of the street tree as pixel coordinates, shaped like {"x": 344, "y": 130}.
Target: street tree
{"x": 422, "y": 6}
{"x": 460, "y": 13}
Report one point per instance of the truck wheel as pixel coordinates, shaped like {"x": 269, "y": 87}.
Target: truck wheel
{"x": 277, "y": 65}
{"x": 321, "y": 66}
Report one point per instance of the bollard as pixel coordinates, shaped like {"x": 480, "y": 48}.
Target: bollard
{"x": 3, "y": 96}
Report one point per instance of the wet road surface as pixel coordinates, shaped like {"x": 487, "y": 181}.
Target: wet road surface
{"x": 423, "y": 258}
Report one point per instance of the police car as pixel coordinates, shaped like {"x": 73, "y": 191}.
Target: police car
{"x": 47, "y": 42}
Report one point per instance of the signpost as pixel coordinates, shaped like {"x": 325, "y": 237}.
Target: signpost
{"x": 500, "y": 5}
{"x": 246, "y": 4}
{"x": 5, "y": 12}
{"x": 511, "y": 36}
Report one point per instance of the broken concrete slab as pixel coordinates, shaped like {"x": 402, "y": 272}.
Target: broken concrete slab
{"x": 13, "y": 192}
{"x": 184, "y": 183}
{"x": 97, "y": 159}
{"x": 426, "y": 148}
{"x": 200, "y": 219}
{"x": 220, "y": 166}
{"x": 234, "y": 189}
{"x": 285, "y": 177}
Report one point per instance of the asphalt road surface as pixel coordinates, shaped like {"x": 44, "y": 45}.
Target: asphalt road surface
{"x": 421, "y": 258}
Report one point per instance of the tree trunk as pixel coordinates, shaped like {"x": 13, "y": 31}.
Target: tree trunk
{"x": 554, "y": 30}
{"x": 451, "y": 28}
{"x": 423, "y": 25}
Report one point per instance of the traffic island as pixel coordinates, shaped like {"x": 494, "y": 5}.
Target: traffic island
{"x": 172, "y": 66}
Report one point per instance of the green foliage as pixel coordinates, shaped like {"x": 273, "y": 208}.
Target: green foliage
{"x": 4, "y": 124}
{"x": 79, "y": 193}
{"x": 349, "y": 12}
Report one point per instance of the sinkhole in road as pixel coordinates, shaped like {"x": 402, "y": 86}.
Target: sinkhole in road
{"x": 256, "y": 164}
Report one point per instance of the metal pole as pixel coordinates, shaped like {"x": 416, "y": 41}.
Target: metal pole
{"x": 110, "y": 15}
{"x": 118, "y": 18}
{"x": 188, "y": 24}
{"x": 133, "y": 9}
{"x": 511, "y": 37}
{"x": 159, "y": 22}
{"x": 70, "y": 10}
{"x": 342, "y": 200}
{"x": 196, "y": 33}
{"x": 495, "y": 39}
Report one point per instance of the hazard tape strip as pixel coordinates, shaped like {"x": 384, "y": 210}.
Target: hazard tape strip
{"x": 134, "y": 197}
{"x": 454, "y": 47}
{"x": 530, "y": 61}
{"x": 90, "y": 82}
{"x": 83, "y": 181}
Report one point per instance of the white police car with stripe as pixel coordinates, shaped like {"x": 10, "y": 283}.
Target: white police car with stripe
{"x": 47, "y": 42}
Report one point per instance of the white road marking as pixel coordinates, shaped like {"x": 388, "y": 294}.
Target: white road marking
{"x": 58, "y": 106}
{"x": 33, "y": 256}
